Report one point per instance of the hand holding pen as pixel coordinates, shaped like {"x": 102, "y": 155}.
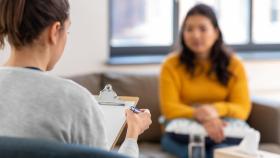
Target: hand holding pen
{"x": 138, "y": 120}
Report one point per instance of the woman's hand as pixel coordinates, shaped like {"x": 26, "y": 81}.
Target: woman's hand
{"x": 137, "y": 123}
{"x": 204, "y": 113}
{"x": 209, "y": 118}
{"x": 214, "y": 128}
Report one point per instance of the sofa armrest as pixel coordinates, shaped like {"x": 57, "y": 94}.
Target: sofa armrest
{"x": 265, "y": 117}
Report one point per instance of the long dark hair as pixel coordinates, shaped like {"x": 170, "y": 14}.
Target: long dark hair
{"x": 22, "y": 21}
{"x": 219, "y": 55}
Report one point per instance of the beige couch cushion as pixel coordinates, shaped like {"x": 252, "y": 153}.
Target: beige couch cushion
{"x": 270, "y": 148}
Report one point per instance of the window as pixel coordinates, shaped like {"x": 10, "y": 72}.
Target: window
{"x": 266, "y": 22}
{"x": 141, "y": 24}
{"x": 150, "y": 27}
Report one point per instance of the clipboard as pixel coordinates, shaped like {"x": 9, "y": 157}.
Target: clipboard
{"x": 113, "y": 108}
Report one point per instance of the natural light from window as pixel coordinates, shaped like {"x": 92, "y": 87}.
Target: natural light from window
{"x": 266, "y": 21}
{"x": 142, "y": 23}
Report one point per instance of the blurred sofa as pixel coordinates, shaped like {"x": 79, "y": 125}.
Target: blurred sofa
{"x": 265, "y": 115}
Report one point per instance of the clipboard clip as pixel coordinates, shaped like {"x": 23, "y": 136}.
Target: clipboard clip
{"x": 108, "y": 96}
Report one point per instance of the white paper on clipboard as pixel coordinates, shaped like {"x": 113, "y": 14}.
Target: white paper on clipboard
{"x": 113, "y": 108}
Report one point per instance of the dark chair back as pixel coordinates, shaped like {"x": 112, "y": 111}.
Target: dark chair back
{"x": 33, "y": 148}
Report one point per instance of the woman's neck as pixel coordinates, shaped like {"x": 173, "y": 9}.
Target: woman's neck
{"x": 29, "y": 57}
{"x": 202, "y": 56}
{"x": 203, "y": 59}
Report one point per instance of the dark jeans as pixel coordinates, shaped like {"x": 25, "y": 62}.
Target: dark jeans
{"x": 177, "y": 144}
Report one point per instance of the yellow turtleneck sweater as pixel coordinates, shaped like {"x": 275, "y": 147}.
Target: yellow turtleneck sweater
{"x": 180, "y": 92}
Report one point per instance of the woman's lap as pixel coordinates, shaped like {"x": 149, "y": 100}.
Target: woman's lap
{"x": 177, "y": 144}
{"x": 180, "y": 149}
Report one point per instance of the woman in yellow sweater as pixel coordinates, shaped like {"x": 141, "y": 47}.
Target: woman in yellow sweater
{"x": 203, "y": 81}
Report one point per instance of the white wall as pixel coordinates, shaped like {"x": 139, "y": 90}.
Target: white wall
{"x": 86, "y": 49}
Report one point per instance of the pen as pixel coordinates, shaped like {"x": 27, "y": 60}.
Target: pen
{"x": 134, "y": 109}
{"x": 111, "y": 103}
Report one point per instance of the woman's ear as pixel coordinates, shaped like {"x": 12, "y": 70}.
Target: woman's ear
{"x": 54, "y": 32}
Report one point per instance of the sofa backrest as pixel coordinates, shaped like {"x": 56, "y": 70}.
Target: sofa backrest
{"x": 92, "y": 82}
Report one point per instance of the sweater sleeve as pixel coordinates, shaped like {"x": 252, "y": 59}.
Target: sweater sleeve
{"x": 130, "y": 148}
{"x": 238, "y": 103}
{"x": 171, "y": 104}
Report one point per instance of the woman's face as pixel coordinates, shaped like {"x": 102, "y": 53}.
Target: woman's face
{"x": 199, "y": 35}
